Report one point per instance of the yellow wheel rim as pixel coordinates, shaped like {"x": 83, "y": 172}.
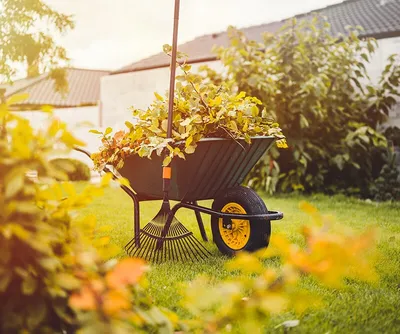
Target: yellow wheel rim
{"x": 237, "y": 237}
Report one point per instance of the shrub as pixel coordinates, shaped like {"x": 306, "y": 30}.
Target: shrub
{"x": 75, "y": 170}
{"x": 386, "y": 187}
{"x": 52, "y": 278}
{"x": 317, "y": 88}
{"x": 392, "y": 134}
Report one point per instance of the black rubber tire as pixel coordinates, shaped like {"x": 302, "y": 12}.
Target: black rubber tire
{"x": 260, "y": 230}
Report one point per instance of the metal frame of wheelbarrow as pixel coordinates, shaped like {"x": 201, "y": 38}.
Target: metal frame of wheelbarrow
{"x": 191, "y": 205}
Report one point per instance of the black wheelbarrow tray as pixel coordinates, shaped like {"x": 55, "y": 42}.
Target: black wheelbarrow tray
{"x": 240, "y": 219}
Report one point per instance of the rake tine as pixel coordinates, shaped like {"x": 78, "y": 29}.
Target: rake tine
{"x": 183, "y": 248}
{"x": 190, "y": 249}
{"x": 201, "y": 250}
{"x": 177, "y": 242}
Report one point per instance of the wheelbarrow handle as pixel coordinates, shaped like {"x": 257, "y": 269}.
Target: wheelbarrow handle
{"x": 83, "y": 151}
{"x": 87, "y": 153}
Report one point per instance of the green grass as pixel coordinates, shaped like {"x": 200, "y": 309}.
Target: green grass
{"x": 360, "y": 308}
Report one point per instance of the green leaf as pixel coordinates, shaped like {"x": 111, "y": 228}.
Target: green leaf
{"x": 365, "y": 57}
{"x": 167, "y": 48}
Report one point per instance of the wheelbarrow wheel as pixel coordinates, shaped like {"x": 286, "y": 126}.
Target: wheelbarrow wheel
{"x": 244, "y": 235}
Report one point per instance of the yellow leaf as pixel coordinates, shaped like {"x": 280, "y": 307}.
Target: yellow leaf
{"x": 14, "y": 181}
{"x": 167, "y": 161}
{"x": 18, "y": 98}
{"x": 164, "y": 125}
{"x": 47, "y": 108}
{"x": 70, "y": 140}
{"x": 105, "y": 180}
{"x": 69, "y": 189}
{"x": 158, "y": 96}
{"x": 188, "y": 141}
{"x": 123, "y": 181}
{"x": 190, "y": 149}
{"x": 307, "y": 208}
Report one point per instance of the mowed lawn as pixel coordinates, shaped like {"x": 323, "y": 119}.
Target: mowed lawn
{"x": 360, "y": 308}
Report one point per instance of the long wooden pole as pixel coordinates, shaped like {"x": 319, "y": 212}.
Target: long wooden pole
{"x": 173, "y": 70}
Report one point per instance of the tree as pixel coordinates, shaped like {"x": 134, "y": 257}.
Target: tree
{"x": 318, "y": 88}
{"x": 27, "y": 30}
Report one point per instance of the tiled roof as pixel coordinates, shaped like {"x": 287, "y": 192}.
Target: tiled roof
{"x": 379, "y": 19}
{"x": 83, "y": 89}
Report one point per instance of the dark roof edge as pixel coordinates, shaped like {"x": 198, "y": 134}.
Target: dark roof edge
{"x": 56, "y": 106}
{"x": 389, "y": 34}
{"x": 34, "y": 82}
{"x": 144, "y": 68}
{"x": 86, "y": 69}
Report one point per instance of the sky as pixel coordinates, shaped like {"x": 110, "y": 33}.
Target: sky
{"x": 110, "y": 34}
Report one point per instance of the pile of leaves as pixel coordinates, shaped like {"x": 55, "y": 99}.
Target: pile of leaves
{"x": 201, "y": 109}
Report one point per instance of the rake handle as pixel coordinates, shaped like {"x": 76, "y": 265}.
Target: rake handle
{"x": 166, "y": 180}
{"x": 173, "y": 69}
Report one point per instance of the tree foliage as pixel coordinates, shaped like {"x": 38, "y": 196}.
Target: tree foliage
{"x": 27, "y": 31}
{"x": 317, "y": 88}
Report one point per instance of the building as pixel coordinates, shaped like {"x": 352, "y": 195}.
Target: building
{"x": 134, "y": 84}
{"x": 79, "y": 107}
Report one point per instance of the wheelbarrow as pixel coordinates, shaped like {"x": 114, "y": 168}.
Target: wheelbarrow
{"x": 240, "y": 220}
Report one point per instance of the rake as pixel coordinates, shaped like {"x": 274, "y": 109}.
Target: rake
{"x": 164, "y": 237}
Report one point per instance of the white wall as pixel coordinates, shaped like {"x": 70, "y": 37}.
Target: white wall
{"x": 120, "y": 92}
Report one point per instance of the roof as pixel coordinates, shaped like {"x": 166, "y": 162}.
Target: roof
{"x": 379, "y": 19}
{"x": 83, "y": 89}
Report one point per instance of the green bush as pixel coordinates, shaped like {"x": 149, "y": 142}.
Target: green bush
{"x": 74, "y": 169}
{"x": 386, "y": 186}
{"x": 317, "y": 88}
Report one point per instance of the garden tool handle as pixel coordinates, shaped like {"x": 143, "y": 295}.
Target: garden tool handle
{"x": 167, "y": 170}
{"x": 173, "y": 70}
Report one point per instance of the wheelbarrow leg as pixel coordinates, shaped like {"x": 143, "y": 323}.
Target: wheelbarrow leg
{"x": 136, "y": 215}
{"x": 136, "y": 221}
{"x": 200, "y": 223}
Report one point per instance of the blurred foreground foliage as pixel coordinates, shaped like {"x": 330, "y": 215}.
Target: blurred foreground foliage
{"x": 55, "y": 276}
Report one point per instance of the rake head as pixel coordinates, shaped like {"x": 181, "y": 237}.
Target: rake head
{"x": 176, "y": 244}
